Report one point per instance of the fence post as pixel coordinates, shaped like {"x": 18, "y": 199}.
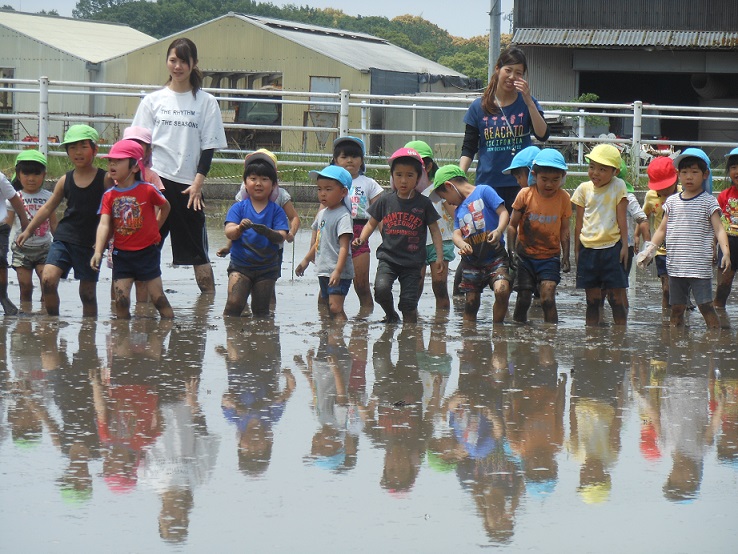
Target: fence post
{"x": 415, "y": 121}
{"x": 364, "y": 119}
{"x": 343, "y": 126}
{"x": 43, "y": 116}
{"x": 635, "y": 148}
{"x": 580, "y": 134}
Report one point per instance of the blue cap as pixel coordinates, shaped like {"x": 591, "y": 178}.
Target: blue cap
{"x": 548, "y": 157}
{"x": 355, "y": 140}
{"x": 696, "y": 153}
{"x": 333, "y": 172}
{"x": 733, "y": 152}
{"x": 524, "y": 158}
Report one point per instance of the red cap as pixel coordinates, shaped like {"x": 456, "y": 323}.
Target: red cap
{"x": 661, "y": 173}
{"x": 127, "y": 148}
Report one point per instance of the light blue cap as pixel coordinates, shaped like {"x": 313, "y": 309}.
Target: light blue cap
{"x": 696, "y": 153}
{"x": 548, "y": 157}
{"x": 524, "y": 158}
{"x": 333, "y": 172}
{"x": 733, "y": 152}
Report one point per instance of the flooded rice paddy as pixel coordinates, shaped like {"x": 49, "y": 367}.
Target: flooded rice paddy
{"x": 294, "y": 434}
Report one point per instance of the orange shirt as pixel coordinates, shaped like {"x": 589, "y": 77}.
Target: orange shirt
{"x": 539, "y": 230}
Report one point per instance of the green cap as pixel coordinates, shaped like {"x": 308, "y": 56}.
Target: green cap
{"x": 31, "y": 156}
{"x": 77, "y": 133}
{"x": 421, "y": 148}
{"x": 425, "y": 151}
{"x": 445, "y": 173}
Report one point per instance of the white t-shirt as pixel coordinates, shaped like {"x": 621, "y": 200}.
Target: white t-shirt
{"x": 363, "y": 190}
{"x": 182, "y": 126}
{"x": 7, "y": 192}
{"x": 445, "y": 224}
{"x": 33, "y": 202}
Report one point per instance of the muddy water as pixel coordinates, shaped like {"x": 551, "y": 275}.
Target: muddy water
{"x": 293, "y": 434}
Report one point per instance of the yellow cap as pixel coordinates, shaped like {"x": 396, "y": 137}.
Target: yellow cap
{"x": 605, "y": 154}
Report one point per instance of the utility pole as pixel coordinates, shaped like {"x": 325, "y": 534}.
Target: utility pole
{"x": 495, "y": 12}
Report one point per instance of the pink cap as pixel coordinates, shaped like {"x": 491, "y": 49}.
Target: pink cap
{"x": 137, "y": 133}
{"x": 127, "y": 148}
{"x": 423, "y": 181}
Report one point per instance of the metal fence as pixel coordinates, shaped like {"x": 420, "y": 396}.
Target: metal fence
{"x": 384, "y": 122}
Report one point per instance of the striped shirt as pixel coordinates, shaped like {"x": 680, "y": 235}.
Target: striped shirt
{"x": 689, "y": 235}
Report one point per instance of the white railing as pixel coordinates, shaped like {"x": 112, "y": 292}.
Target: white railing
{"x": 441, "y": 116}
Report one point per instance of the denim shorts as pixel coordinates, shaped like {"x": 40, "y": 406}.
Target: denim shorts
{"x": 600, "y": 268}
{"x": 66, "y": 256}
{"x": 140, "y": 265}
{"x": 532, "y": 271}
{"x": 679, "y": 288}
{"x": 341, "y": 290}
{"x": 476, "y": 278}
{"x": 449, "y": 252}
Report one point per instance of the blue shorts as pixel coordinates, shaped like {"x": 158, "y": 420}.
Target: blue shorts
{"x": 449, "y": 252}
{"x": 532, "y": 271}
{"x": 679, "y": 288}
{"x": 660, "y": 265}
{"x": 66, "y": 256}
{"x": 733, "y": 245}
{"x": 341, "y": 290}
{"x": 255, "y": 274}
{"x": 600, "y": 268}
{"x": 476, "y": 278}
{"x": 140, "y": 265}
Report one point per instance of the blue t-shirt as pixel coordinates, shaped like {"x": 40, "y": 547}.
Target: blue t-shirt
{"x": 475, "y": 217}
{"x": 497, "y": 144}
{"x": 253, "y": 250}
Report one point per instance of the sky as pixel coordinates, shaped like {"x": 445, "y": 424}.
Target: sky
{"x": 472, "y": 20}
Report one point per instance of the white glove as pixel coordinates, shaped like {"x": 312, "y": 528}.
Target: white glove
{"x": 646, "y": 255}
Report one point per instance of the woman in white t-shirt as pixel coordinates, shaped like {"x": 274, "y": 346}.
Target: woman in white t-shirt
{"x": 187, "y": 128}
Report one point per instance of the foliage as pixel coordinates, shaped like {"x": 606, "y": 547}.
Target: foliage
{"x": 165, "y": 17}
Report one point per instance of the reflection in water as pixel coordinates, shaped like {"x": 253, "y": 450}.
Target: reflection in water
{"x": 254, "y": 401}
{"x": 329, "y": 371}
{"x": 395, "y": 413}
{"x": 596, "y": 417}
{"x": 478, "y": 432}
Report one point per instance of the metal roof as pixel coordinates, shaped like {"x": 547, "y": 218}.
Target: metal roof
{"x": 358, "y": 50}
{"x": 626, "y": 38}
{"x": 92, "y": 41}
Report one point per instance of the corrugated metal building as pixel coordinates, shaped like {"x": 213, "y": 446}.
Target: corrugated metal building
{"x": 249, "y": 52}
{"x": 32, "y": 46}
{"x": 661, "y": 52}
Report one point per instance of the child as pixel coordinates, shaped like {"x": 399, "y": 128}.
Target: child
{"x": 331, "y": 251}
{"x": 257, "y": 226}
{"x": 601, "y": 235}
{"x": 439, "y": 282}
{"x": 348, "y": 153}
{"x": 541, "y": 215}
{"x": 662, "y": 182}
{"x": 74, "y": 239}
{"x": 479, "y": 233}
{"x": 283, "y": 199}
{"x": 521, "y": 165}
{"x": 635, "y": 218}
{"x": 728, "y": 201}
{"x": 405, "y": 214}
{"x": 30, "y": 171}
{"x": 691, "y": 223}
{"x": 133, "y": 211}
